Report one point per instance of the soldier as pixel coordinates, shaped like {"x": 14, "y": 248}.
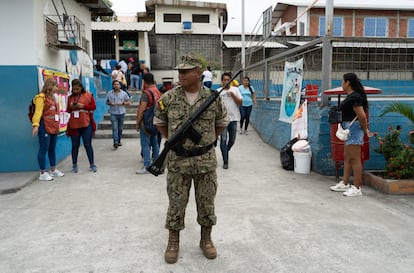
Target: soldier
{"x": 190, "y": 161}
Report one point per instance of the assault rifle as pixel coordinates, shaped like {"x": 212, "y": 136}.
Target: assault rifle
{"x": 185, "y": 131}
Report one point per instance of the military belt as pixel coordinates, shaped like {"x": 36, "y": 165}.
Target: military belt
{"x": 180, "y": 151}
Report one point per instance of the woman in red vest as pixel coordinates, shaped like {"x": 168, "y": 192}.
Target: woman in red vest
{"x": 81, "y": 105}
{"x": 45, "y": 123}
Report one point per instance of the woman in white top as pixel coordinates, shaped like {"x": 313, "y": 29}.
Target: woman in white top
{"x": 207, "y": 77}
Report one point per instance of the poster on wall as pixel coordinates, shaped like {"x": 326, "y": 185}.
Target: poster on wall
{"x": 291, "y": 90}
{"x": 300, "y": 122}
{"x": 78, "y": 64}
{"x": 61, "y": 95}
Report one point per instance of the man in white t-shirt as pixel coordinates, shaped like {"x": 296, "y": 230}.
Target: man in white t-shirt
{"x": 232, "y": 100}
{"x": 207, "y": 77}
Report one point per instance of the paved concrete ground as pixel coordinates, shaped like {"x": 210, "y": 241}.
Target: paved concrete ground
{"x": 269, "y": 220}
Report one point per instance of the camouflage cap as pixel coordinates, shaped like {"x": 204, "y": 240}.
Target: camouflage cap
{"x": 189, "y": 62}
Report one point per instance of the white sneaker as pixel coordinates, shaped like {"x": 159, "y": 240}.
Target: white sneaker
{"x": 340, "y": 186}
{"x": 245, "y": 132}
{"x": 241, "y": 131}
{"x": 45, "y": 177}
{"x": 353, "y": 191}
{"x": 56, "y": 173}
{"x": 142, "y": 171}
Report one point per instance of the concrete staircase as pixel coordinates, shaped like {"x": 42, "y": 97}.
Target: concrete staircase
{"x": 104, "y": 128}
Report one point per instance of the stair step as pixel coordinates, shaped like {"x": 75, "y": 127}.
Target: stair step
{"x": 106, "y": 125}
{"x": 128, "y": 116}
{"x": 130, "y": 109}
{"x": 126, "y": 133}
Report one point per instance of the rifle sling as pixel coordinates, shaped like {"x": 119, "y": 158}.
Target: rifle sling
{"x": 180, "y": 151}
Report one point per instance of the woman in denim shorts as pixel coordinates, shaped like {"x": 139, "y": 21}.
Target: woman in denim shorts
{"x": 354, "y": 105}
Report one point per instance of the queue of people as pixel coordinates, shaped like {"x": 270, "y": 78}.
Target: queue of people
{"x": 128, "y": 72}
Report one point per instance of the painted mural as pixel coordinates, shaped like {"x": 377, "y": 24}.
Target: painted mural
{"x": 78, "y": 64}
{"x": 62, "y": 94}
{"x": 291, "y": 90}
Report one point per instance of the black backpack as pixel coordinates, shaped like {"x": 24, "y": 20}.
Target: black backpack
{"x": 334, "y": 115}
{"x": 32, "y": 109}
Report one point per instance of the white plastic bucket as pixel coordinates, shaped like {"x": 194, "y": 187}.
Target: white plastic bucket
{"x": 302, "y": 162}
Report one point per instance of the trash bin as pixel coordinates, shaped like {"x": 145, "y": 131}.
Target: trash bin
{"x": 312, "y": 92}
{"x": 302, "y": 162}
{"x": 302, "y": 155}
{"x": 337, "y": 145}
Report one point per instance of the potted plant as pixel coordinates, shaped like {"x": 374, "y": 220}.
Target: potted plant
{"x": 398, "y": 176}
{"x": 399, "y": 157}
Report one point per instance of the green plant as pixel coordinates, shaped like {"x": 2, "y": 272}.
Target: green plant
{"x": 402, "y": 165}
{"x": 399, "y": 157}
{"x": 403, "y": 109}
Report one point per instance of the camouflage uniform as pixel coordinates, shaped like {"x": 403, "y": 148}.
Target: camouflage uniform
{"x": 174, "y": 109}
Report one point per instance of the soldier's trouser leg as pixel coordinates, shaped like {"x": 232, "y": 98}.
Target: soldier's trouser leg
{"x": 205, "y": 191}
{"x": 178, "y": 189}
{"x": 205, "y": 187}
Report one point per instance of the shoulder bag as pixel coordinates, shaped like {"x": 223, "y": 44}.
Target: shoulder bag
{"x": 341, "y": 133}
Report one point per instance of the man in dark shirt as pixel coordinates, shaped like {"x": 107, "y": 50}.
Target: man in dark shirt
{"x": 99, "y": 68}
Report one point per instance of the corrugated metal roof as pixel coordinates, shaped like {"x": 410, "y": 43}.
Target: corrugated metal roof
{"x": 238, "y": 44}
{"x": 125, "y": 26}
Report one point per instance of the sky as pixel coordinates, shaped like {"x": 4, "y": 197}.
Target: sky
{"x": 253, "y": 12}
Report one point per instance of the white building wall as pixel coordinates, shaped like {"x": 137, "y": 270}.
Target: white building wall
{"x": 55, "y": 58}
{"x": 18, "y": 43}
{"x": 303, "y": 19}
{"x": 186, "y": 15}
{"x": 26, "y": 37}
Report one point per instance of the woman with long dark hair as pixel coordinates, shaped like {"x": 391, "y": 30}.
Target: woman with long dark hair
{"x": 81, "y": 105}
{"x": 354, "y": 108}
{"x": 249, "y": 98}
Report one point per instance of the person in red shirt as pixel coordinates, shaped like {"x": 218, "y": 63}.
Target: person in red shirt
{"x": 81, "y": 105}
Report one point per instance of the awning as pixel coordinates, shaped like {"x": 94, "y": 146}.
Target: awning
{"x": 238, "y": 44}
{"x": 340, "y": 91}
{"x": 122, "y": 26}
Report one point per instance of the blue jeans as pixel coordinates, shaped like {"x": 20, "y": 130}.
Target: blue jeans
{"x": 227, "y": 143}
{"x": 245, "y": 116}
{"x": 146, "y": 143}
{"x": 117, "y": 122}
{"x": 134, "y": 81}
{"x": 47, "y": 144}
{"x": 356, "y": 134}
{"x": 86, "y": 133}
